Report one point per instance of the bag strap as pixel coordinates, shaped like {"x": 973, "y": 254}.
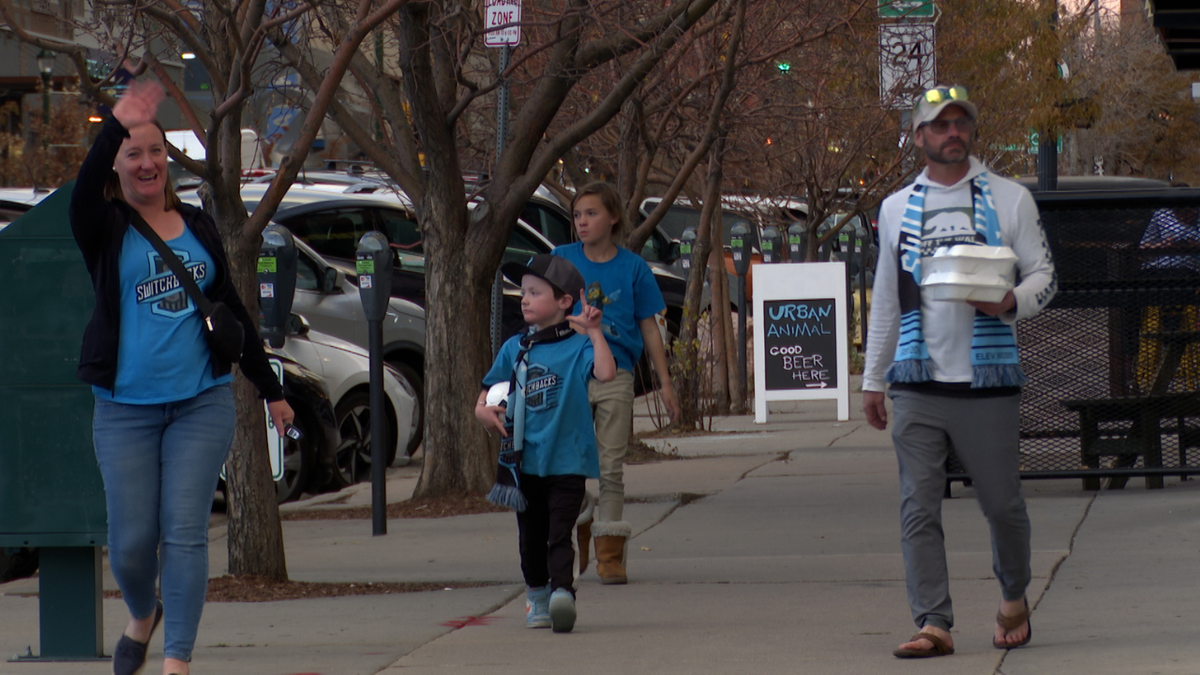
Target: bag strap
{"x": 173, "y": 262}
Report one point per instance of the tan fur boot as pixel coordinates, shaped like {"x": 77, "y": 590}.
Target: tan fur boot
{"x": 611, "y": 538}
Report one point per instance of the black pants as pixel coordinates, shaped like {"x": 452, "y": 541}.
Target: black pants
{"x": 546, "y": 526}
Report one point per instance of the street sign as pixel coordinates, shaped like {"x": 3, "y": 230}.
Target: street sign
{"x": 896, "y": 9}
{"x": 505, "y": 13}
{"x": 907, "y": 64}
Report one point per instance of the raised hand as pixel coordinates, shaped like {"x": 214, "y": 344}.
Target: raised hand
{"x": 588, "y": 318}
{"x": 139, "y": 104}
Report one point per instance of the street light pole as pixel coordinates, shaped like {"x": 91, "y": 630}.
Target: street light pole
{"x": 45, "y": 63}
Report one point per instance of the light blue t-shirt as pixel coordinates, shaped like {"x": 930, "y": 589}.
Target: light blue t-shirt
{"x": 560, "y": 437}
{"x": 632, "y": 293}
{"x": 162, "y": 356}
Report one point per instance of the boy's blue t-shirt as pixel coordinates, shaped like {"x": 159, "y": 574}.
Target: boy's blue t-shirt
{"x": 162, "y": 356}
{"x": 560, "y": 438}
{"x": 633, "y": 297}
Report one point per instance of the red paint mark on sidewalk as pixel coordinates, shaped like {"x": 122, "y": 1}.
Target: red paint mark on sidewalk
{"x": 464, "y": 621}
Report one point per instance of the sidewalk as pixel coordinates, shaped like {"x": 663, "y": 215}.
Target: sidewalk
{"x": 783, "y": 558}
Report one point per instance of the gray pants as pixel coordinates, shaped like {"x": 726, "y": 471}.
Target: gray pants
{"x": 984, "y": 434}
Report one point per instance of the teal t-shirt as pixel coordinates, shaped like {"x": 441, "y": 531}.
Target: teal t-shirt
{"x": 560, "y": 436}
{"x": 162, "y": 356}
{"x": 632, "y": 293}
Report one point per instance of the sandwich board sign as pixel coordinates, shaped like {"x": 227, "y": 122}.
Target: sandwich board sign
{"x": 800, "y": 335}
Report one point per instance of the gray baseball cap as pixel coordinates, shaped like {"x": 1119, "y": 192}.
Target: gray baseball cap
{"x": 555, "y": 270}
{"x": 932, "y": 102}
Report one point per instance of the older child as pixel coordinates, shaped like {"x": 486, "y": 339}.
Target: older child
{"x": 551, "y": 444}
{"x": 632, "y": 299}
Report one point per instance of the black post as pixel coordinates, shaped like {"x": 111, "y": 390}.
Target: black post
{"x": 378, "y": 432}
{"x": 1047, "y": 162}
{"x": 741, "y": 347}
{"x": 373, "y": 262}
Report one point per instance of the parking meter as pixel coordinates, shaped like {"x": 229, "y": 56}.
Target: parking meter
{"x": 771, "y": 244}
{"x": 373, "y": 262}
{"x": 797, "y": 241}
{"x": 686, "y": 241}
{"x": 741, "y": 266}
{"x": 740, "y": 247}
{"x": 276, "y": 282}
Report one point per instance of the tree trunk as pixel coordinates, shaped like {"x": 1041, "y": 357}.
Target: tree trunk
{"x": 459, "y": 456}
{"x": 255, "y": 533}
{"x": 718, "y": 287}
{"x": 459, "y": 459}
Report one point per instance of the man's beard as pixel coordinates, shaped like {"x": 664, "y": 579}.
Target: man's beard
{"x": 940, "y": 156}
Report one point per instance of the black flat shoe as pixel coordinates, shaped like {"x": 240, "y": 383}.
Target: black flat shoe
{"x": 130, "y": 655}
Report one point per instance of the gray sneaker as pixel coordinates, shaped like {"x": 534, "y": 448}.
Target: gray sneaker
{"x": 537, "y": 607}
{"x": 562, "y": 610}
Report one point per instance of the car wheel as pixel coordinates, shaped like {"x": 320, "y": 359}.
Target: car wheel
{"x": 353, "y": 419}
{"x": 17, "y": 563}
{"x": 417, "y": 385}
{"x": 298, "y": 460}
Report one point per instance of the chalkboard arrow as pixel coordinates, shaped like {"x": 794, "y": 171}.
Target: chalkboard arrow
{"x": 820, "y": 385}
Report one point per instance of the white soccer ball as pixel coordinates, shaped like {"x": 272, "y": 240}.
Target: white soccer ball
{"x": 498, "y": 394}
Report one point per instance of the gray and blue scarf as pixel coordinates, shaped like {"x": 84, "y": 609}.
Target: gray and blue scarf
{"x": 994, "y": 356}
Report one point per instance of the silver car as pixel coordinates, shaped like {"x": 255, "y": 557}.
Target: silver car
{"x": 345, "y": 370}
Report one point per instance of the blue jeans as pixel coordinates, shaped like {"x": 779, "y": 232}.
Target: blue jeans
{"x": 160, "y": 465}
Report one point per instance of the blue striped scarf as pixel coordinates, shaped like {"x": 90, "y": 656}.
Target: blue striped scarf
{"x": 994, "y": 357}
{"x": 506, "y": 491}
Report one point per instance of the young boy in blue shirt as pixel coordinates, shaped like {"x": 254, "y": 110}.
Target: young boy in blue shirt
{"x": 547, "y": 427}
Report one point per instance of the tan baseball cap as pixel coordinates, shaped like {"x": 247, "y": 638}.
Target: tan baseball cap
{"x": 932, "y": 102}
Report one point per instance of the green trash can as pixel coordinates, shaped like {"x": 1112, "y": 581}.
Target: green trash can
{"x": 51, "y": 494}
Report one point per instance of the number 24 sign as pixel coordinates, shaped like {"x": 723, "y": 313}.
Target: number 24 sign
{"x": 506, "y": 13}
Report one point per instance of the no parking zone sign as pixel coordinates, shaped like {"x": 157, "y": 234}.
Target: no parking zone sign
{"x": 499, "y": 13}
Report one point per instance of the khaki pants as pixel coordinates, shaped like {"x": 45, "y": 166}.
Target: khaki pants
{"x": 612, "y": 408}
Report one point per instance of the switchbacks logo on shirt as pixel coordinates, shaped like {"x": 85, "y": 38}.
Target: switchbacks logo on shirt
{"x": 162, "y": 289}
{"x": 542, "y": 388}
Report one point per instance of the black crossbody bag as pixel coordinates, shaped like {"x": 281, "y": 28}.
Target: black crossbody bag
{"x": 224, "y": 333}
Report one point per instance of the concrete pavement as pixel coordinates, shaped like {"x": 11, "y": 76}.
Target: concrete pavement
{"x": 769, "y": 549}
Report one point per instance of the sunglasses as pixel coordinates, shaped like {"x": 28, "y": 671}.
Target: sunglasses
{"x": 940, "y": 95}
{"x": 964, "y": 125}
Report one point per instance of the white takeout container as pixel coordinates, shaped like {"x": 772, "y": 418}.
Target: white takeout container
{"x": 982, "y": 261}
{"x": 957, "y": 286}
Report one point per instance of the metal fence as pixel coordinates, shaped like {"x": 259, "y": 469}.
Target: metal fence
{"x": 1114, "y": 360}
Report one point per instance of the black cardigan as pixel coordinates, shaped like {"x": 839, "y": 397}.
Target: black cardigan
{"x": 99, "y": 227}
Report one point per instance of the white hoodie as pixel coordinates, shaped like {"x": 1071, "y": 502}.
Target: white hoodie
{"x": 949, "y": 220}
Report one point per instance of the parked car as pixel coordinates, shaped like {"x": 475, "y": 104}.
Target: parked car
{"x": 344, "y": 369}
{"x": 759, "y": 213}
{"x": 1108, "y": 183}
{"x": 331, "y": 305}
{"x": 327, "y": 292}
{"x": 14, "y": 202}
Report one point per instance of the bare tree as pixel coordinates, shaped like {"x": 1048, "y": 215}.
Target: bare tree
{"x": 435, "y": 107}
{"x": 228, "y": 40}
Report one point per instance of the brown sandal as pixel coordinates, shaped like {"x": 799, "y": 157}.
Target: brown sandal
{"x": 940, "y": 648}
{"x": 1011, "y": 623}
